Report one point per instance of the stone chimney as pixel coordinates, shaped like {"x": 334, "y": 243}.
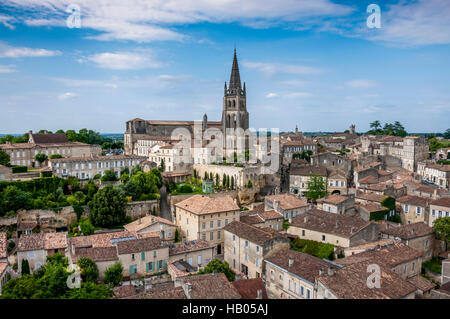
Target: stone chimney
{"x": 330, "y": 271}
{"x": 291, "y": 261}
{"x": 276, "y": 205}
{"x": 320, "y": 272}
{"x": 187, "y": 287}
{"x": 259, "y": 294}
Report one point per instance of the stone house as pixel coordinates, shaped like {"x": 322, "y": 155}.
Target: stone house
{"x": 196, "y": 253}
{"x": 291, "y": 274}
{"x": 153, "y": 224}
{"x": 438, "y": 208}
{"x": 337, "y": 183}
{"x": 417, "y": 235}
{"x": 36, "y": 247}
{"x": 48, "y": 144}
{"x": 142, "y": 256}
{"x": 361, "y": 172}
{"x": 365, "y": 211}
{"x": 203, "y": 217}
{"x": 88, "y": 167}
{"x": 289, "y": 148}
{"x": 287, "y": 205}
{"x": 335, "y": 229}
{"x": 260, "y": 217}
{"x": 337, "y": 204}
{"x": 413, "y": 209}
{"x": 438, "y": 174}
{"x": 399, "y": 258}
{"x": 247, "y": 246}
{"x": 333, "y": 161}
{"x": 350, "y": 282}
{"x": 300, "y": 176}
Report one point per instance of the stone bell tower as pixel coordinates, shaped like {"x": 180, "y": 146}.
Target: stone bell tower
{"x": 234, "y": 114}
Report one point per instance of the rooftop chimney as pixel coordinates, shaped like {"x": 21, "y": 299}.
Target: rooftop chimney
{"x": 259, "y": 293}
{"x": 320, "y": 272}
{"x": 330, "y": 271}
{"x": 306, "y": 219}
{"x": 187, "y": 290}
{"x": 291, "y": 261}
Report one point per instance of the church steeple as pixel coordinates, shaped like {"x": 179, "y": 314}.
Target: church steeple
{"x": 235, "y": 79}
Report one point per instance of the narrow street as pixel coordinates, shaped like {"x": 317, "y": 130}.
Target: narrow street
{"x": 164, "y": 209}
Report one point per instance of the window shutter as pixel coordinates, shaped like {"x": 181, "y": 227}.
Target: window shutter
{"x": 147, "y": 267}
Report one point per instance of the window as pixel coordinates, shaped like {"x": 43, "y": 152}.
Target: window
{"x": 199, "y": 259}
{"x": 323, "y": 237}
{"x": 271, "y": 274}
{"x": 302, "y": 290}
{"x": 426, "y": 244}
{"x": 211, "y": 236}
{"x": 290, "y": 285}
{"x": 142, "y": 255}
{"x": 406, "y": 208}
{"x": 257, "y": 262}
{"x": 203, "y": 225}
{"x": 246, "y": 243}
{"x": 204, "y": 236}
{"x": 132, "y": 256}
{"x": 149, "y": 266}
{"x": 133, "y": 269}
{"x": 257, "y": 249}
{"x": 226, "y": 221}
{"x": 234, "y": 238}
{"x": 433, "y": 212}
{"x": 218, "y": 223}
{"x": 308, "y": 294}
{"x": 419, "y": 210}
{"x": 211, "y": 224}
{"x": 154, "y": 253}
{"x": 413, "y": 266}
{"x": 246, "y": 256}
{"x": 303, "y": 232}
{"x": 296, "y": 288}
{"x": 218, "y": 235}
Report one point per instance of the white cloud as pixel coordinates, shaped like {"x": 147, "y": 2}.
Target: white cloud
{"x": 270, "y": 69}
{"x": 361, "y": 84}
{"x": 7, "y": 69}
{"x": 66, "y": 96}
{"x": 124, "y": 60}
{"x": 145, "y": 21}
{"x": 4, "y": 20}
{"x": 422, "y": 22}
{"x": 271, "y": 95}
{"x": 7, "y": 51}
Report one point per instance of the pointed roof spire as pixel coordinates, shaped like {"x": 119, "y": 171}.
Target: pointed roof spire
{"x": 235, "y": 79}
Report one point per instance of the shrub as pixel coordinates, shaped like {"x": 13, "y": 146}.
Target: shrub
{"x": 314, "y": 248}
{"x": 25, "y": 267}
{"x": 114, "y": 274}
{"x": 186, "y": 188}
{"x": 19, "y": 169}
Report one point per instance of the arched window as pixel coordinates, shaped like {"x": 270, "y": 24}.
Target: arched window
{"x": 234, "y": 103}
{"x": 228, "y": 120}
{"x": 234, "y": 120}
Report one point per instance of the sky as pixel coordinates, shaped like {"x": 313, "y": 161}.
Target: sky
{"x": 311, "y": 63}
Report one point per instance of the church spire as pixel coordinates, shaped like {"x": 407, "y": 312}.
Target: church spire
{"x": 235, "y": 79}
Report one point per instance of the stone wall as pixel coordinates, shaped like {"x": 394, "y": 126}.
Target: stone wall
{"x": 142, "y": 208}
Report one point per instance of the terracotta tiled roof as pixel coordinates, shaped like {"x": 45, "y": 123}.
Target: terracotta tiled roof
{"x": 253, "y": 234}
{"x": 443, "y": 201}
{"x": 251, "y": 219}
{"x": 3, "y": 246}
{"x": 16, "y": 146}
{"x": 121, "y": 292}
{"x": 248, "y": 288}
{"x": 369, "y": 180}
{"x": 408, "y": 231}
{"x": 43, "y": 241}
{"x": 211, "y": 286}
{"x": 421, "y": 283}
{"x": 414, "y": 200}
{"x": 322, "y": 221}
{"x": 304, "y": 265}
{"x": 167, "y": 291}
{"x": 100, "y": 240}
{"x": 371, "y": 197}
{"x": 390, "y": 256}
{"x": 188, "y": 246}
{"x": 49, "y": 138}
{"x": 26, "y": 226}
{"x": 96, "y": 254}
{"x": 287, "y": 201}
{"x": 333, "y": 199}
{"x": 350, "y": 282}
{"x": 308, "y": 170}
{"x": 439, "y": 167}
{"x": 138, "y": 245}
{"x": 201, "y": 204}
{"x": 146, "y": 221}
{"x": 372, "y": 207}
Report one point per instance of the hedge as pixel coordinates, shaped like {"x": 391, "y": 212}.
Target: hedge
{"x": 19, "y": 169}
{"x": 314, "y": 248}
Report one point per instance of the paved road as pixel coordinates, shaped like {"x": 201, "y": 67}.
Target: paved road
{"x": 164, "y": 209}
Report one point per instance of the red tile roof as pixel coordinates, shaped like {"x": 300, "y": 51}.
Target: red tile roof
{"x": 248, "y": 288}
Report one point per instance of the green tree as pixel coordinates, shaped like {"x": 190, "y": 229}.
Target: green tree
{"x": 86, "y": 227}
{"x": 249, "y": 184}
{"x": 375, "y": 126}
{"x": 224, "y": 180}
{"x": 221, "y": 267}
{"x": 89, "y": 290}
{"x": 232, "y": 182}
{"x": 217, "y": 179}
{"x": 109, "y": 176}
{"x": 88, "y": 269}
{"x": 54, "y": 156}
{"x": 107, "y": 208}
{"x": 25, "y": 267}
{"x": 131, "y": 189}
{"x": 147, "y": 183}
{"x": 205, "y": 177}
{"x": 316, "y": 187}
{"x": 41, "y": 158}
{"x": 177, "y": 236}
{"x": 442, "y": 228}
{"x": 4, "y": 158}
{"x": 446, "y": 134}
{"x": 114, "y": 274}
{"x": 162, "y": 166}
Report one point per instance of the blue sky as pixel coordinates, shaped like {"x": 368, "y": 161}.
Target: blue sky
{"x": 312, "y": 63}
